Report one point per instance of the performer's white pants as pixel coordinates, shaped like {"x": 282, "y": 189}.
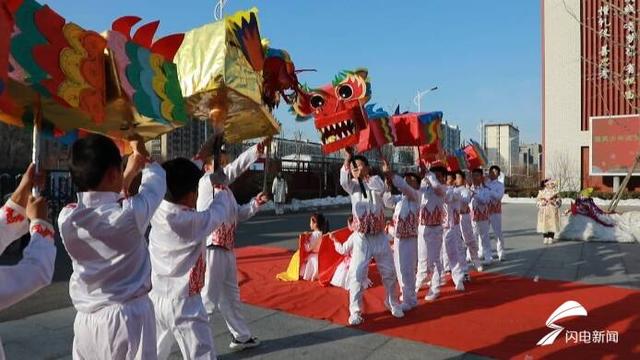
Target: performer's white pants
{"x": 221, "y": 291}
{"x": 481, "y": 232}
{"x": 366, "y": 247}
{"x": 470, "y": 241}
{"x": 496, "y": 225}
{"x": 279, "y": 206}
{"x": 186, "y": 321}
{"x": 120, "y": 331}
{"x": 405, "y": 256}
{"x": 452, "y": 240}
{"x": 430, "y": 240}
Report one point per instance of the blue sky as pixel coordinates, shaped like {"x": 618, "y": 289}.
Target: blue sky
{"x": 483, "y": 55}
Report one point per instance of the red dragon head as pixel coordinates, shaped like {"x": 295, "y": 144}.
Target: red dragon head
{"x": 338, "y": 109}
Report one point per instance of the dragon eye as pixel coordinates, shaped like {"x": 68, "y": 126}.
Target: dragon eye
{"x": 345, "y": 91}
{"x": 316, "y": 101}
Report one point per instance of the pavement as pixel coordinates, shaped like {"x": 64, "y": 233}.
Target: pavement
{"x": 41, "y": 327}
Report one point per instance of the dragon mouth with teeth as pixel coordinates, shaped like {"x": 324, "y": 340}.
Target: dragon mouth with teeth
{"x": 340, "y": 129}
{"x": 338, "y": 109}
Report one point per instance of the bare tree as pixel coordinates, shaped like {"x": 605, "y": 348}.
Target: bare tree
{"x": 564, "y": 172}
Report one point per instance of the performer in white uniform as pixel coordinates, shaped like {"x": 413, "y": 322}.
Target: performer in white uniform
{"x": 495, "y": 208}
{"x": 430, "y": 231}
{"x": 35, "y": 270}
{"x": 466, "y": 227}
{"x": 104, "y": 235}
{"x": 221, "y": 290}
{"x": 370, "y": 242}
{"x": 341, "y": 275}
{"x": 176, "y": 248}
{"x": 480, "y": 197}
{"x": 452, "y": 236}
{"x": 404, "y": 230}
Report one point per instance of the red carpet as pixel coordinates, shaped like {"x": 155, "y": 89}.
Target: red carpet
{"x": 498, "y": 316}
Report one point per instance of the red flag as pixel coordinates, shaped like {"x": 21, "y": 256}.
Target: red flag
{"x": 328, "y": 257}
{"x": 473, "y": 158}
{"x": 452, "y": 163}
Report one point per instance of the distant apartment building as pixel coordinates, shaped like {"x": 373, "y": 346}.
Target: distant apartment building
{"x": 501, "y": 143}
{"x": 529, "y": 158}
{"x": 450, "y": 137}
{"x": 182, "y": 142}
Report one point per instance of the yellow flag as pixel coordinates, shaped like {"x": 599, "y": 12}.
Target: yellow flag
{"x": 293, "y": 270}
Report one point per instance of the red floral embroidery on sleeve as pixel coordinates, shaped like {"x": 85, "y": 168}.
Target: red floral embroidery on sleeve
{"x": 12, "y": 216}
{"x": 43, "y": 231}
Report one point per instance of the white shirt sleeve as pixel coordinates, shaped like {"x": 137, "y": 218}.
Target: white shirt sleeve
{"x": 376, "y": 184}
{"x": 496, "y": 190}
{"x": 406, "y": 189}
{"x": 465, "y": 196}
{"x": 452, "y": 195}
{"x": 150, "y": 194}
{"x": 242, "y": 163}
{"x": 390, "y": 200}
{"x": 204, "y": 222}
{"x": 345, "y": 180}
{"x": 344, "y": 248}
{"x": 437, "y": 186}
{"x": 482, "y": 195}
{"x": 34, "y": 271}
{"x": 247, "y": 211}
{"x": 13, "y": 223}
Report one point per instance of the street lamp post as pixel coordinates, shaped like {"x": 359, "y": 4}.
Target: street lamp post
{"x": 418, "y": 98}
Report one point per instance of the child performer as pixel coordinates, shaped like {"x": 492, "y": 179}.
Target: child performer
{"x": 35, "y": 270}
{"x": 430, "y": 231}
{"x": 495, "y": 209}
{"x": 405, "y": 232}
{"x": 319, "y": 226}
{"x": 340, "y": 278}
{"x": 221, "y": 290}
{"x": 452, "y": 237}
{"x": 370, "y": 241}
{"x": 480, "y": 197}
{"x": 104, "y": 236}
{"x": 177, "y": 263}
{"x": 548, "y": 202}
{"x": 466, "y": 228}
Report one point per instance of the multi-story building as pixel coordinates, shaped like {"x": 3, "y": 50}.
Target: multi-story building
{"x": 529, "y": 158}
{"x": 501, "y": 143}
{"x": 450, "y": 137}
{"x": 182, "y": 142}
{"x": 590, "y": 92}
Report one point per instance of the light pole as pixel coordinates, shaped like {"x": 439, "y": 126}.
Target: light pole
{"x": 418, "y": 98}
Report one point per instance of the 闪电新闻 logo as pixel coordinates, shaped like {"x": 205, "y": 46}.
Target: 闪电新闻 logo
{"x": 568, "y": 309}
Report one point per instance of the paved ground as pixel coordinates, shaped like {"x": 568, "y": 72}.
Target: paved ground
{"x": 41, "y": 327}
